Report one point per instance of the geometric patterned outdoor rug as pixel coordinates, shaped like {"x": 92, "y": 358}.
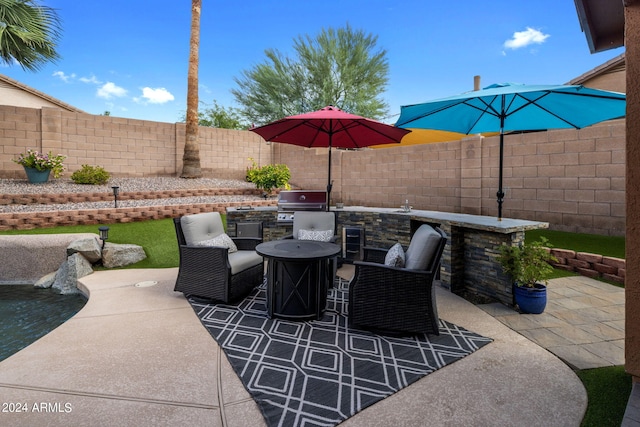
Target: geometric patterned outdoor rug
{"x": 321, "y": 372}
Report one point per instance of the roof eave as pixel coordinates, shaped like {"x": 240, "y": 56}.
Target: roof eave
{"x": 602, "y": 22}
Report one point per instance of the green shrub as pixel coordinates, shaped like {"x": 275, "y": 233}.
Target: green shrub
{"x": 93, "y": 175}
{"x": 269, "y": 177}
{"x": 527, "y": 263}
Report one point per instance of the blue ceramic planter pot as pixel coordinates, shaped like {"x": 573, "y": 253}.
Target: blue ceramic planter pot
{"x": 531, "y": 300}
{"x": 35, "y": 176}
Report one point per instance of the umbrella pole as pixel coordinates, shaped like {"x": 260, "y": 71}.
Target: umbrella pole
{"x": 500, "y": 192}
{"x": 329, "y": 184}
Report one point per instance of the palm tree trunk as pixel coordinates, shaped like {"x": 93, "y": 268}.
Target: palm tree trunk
{"x": 191, "y": 156}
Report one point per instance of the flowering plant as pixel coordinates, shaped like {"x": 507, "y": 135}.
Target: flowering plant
{"x": 42, "y": 162}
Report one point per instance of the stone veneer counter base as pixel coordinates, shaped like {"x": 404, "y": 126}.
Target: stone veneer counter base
{"x": 469, "y": 261}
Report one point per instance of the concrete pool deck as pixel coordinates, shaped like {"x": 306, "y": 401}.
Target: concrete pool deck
{"x": 140, "y": 356}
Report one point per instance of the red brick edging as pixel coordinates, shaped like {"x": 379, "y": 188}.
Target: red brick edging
{"x": 590, "y": 265}
{"x": 61, "y": 198}
{"x": 46, "y": 219}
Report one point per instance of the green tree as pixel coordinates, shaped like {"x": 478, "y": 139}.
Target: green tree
{"x": 28, "y": 34}
{"x": 340, "y": 67}
{"x": 191, "y": 157}
{"x": 216, "y": 116}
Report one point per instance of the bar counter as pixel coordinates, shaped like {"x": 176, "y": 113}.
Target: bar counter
{"x": 469, "y": 263}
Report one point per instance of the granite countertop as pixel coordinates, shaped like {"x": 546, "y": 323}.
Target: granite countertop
{"x": 479, "y": 222}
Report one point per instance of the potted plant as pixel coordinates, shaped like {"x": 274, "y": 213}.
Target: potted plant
{"x": 38, "y": 165}
{"x": 528, "y": 265}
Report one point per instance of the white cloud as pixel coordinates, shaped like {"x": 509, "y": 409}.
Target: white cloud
{"x": 91, "y": 79}
{"x": 155, "y": 96}
{"x": 109, "y": 90}
{"x": 64, "y": 77}
{"x": 204, "y": 88}
{"x": 525, "y": 38}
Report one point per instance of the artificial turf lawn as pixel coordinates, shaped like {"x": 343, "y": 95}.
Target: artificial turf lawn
{"x": 608, "y": 390}
{"x": 157, "y": 237}
{"x": 612, "y": 246}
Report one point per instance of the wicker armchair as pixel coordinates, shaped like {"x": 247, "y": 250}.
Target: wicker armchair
{"x": 398, "y": 300}
{"x": 211, "y": 272}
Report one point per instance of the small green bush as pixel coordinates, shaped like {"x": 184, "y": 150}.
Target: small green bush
{"x": 527, "y": 263}
{"x": 269, "y": 177}
{"x": 92, "y": 175}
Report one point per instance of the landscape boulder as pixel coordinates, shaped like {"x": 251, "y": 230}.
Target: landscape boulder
{"x": 118, "y": 255}
{"x": 88, "y": 248}
{"x": 75, "y": 267}
{"x": 46, "y": 282}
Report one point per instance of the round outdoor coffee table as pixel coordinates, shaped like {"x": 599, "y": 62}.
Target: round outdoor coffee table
{"x": 298, "y": 277}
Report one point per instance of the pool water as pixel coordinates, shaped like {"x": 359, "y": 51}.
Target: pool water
{"x": 28, "y": 313}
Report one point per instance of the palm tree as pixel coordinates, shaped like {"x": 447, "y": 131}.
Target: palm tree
{"x": 191, "y": 156}
{"x": 28, "y": 34}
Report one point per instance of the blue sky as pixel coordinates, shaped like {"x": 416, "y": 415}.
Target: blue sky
{"x": 130, "y": 57}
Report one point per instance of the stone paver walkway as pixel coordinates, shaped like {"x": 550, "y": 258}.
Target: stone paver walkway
{"x": 583, "y": 323}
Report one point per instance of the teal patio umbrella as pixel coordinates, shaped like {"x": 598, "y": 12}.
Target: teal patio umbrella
{"x": 509, "y": 107}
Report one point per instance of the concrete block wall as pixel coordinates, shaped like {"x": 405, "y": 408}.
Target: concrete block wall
{"x": 573, "y": 179}
{"x": 124, "y": 147}
{"x": 19, "y": 128}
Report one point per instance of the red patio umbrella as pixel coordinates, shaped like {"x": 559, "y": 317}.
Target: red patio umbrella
{"x": 330, "y": 127}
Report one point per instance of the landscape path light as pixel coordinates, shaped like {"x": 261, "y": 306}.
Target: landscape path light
{"x": 115, "y": 189}
{"x": 104, "y": 234}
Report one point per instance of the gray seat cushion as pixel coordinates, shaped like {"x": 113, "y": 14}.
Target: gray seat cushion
{"x": 422, "y": 248}
{"x": 202, "y": 226}
{"x": 241, "y": 260}
{"x": 313, "y": 221}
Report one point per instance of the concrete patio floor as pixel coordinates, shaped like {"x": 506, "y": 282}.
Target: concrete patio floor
{"x": 139, "y": 356}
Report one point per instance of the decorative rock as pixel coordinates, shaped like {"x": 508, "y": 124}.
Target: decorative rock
{"x": 88, "y": 248}
{"x": 69, "y": 272}
{"x": 119, "y": 255}
{"x": 45, "y": 282}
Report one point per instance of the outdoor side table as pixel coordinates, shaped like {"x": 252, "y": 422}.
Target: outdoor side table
{"x": 298, "y": 277}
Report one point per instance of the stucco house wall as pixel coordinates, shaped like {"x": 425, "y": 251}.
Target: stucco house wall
{"x": 16, "y": 94}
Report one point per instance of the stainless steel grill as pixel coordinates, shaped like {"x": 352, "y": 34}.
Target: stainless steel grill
{"x": 300, "y": 200}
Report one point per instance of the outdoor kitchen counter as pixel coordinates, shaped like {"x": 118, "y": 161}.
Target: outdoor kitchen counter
{"x": 469, "y": 262}
{"x": 479, "y": 222}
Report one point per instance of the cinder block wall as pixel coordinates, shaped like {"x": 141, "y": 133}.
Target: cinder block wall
{"x": 573, "y": 179}
{"x": 124, "y": 147}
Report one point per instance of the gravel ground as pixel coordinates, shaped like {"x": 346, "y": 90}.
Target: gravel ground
{"x": 62, "y": 185}
{"x": 11, "y": 186}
